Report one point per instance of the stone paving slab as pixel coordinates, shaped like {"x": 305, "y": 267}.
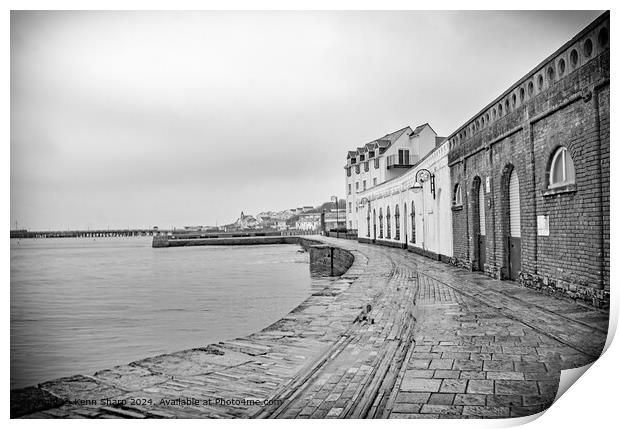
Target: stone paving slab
{"x": 438, "y": 342}
{"x": 550, "y": 314}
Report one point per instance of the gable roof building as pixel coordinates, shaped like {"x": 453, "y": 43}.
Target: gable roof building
{"x": 383, "y": 159}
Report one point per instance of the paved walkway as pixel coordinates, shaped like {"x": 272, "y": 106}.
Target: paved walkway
{"x": 438, "y": 342}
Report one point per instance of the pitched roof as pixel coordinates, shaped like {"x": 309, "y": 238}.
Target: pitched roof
{"x": 384, "y": 141}
{"x": 392, "y": 137}
{"x": 419, "y": 129}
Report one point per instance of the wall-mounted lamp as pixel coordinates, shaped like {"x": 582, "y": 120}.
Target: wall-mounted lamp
{"x": 422, "y": 176}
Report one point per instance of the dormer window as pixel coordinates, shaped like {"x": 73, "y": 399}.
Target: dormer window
{"x": 361, "y": 158}
{"x": 371, "y": 154}
{"x": 353, "y": 160}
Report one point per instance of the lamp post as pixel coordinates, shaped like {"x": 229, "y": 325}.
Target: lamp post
{"x": 363, "y": 203}
{"x": 422, "y": 176}
{"x": 335, "y": 200}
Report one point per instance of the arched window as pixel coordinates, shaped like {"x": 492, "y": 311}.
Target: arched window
{"x": 374, "y": 224}
{"x": 380, "y": 222}
{"x": 458, "y": 197}
{"x": 562, "y": 171}
{"x": 387, "y": 223}
{"x": 412, "y": 222}
{"x": 368, "y": 220}
{"x": 396, "y": 223}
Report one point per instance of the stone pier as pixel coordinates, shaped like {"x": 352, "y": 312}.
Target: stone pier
{"x": 396, "y": 336}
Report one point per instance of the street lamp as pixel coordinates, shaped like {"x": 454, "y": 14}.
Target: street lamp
{"x": 363, "y": 203}
{"x": 422, "y": 176}
{"x": 335, "y": 200}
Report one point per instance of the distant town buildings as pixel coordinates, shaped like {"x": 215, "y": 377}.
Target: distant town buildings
{"x": 246, "y": 222}
{"x": 306, "y": 218}
{"x": 309, "y": 222}
{"x": 335, "y": 219}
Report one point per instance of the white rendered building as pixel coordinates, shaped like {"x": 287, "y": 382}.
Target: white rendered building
{"x": 412, "y": 210}
{"x": 382, "y": 160}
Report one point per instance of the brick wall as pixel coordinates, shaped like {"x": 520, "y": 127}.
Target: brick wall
{"x": 460, "y": 218}
{"x": 563, "y": 102}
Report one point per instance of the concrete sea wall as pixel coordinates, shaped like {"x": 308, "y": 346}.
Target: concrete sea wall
{"x": 325, "y": 260}
{"x": 165, "y": 241}
{"x": 329, "y": 261}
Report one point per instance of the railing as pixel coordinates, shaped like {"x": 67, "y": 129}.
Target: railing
{"x": 350, "y": 234}
{"x": 399, "y": 161}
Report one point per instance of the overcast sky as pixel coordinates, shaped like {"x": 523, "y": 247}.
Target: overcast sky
{"x": 135, "y": 119}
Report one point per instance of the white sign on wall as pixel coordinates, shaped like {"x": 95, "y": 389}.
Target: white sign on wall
{"x": 488, "y": 184}
{"x": 543, "y": 225}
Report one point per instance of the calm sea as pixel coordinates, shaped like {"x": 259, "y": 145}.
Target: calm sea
{"x": 81, "y": 304}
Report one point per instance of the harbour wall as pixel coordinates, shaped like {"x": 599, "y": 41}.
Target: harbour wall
{"x": 325, "y": 260}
